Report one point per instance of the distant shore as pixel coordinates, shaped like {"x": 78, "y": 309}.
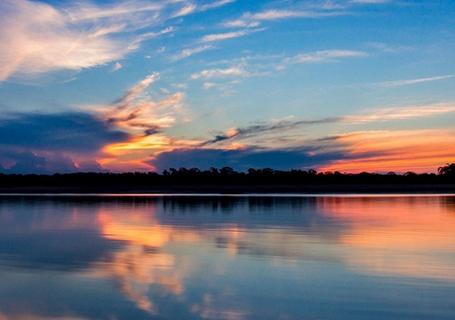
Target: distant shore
{"x": 228, "y": 181}
{"x": 237, "y": 189}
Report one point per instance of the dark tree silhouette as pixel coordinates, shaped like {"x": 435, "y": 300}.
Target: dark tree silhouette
{"x": 447, "y": 170}
{"x": 228, "y": 180}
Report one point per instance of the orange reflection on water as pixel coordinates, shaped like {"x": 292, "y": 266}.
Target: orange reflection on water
{"x": 412, "y": 236}
{"x": 142, "y": 262}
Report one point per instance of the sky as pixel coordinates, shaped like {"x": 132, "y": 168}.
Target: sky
{"x": 146, "y": 85}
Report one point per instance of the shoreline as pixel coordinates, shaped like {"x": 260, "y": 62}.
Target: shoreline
{"x": 442, "y": 189}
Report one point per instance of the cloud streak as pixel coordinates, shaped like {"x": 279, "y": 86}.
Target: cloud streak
{"x": 407, "y": 82}
{"x": 378, "y": 115}
{"x": 254, "y": 19}
{"x": 245, "y": 132}
{"x": 185, "y": 53}
{"x": 215, "y": 37}
{"x": 322, "y": 56}
{"x": 402, "y": 113}
{"x": 235, "y": 71}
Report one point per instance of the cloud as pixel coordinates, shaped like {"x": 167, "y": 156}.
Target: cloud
{"x": 395, "y": 150}
{"x": 49, "y": 143}
{"x": 388, "y": 48}
{"x": 255, "y": 19}
{"x": 139, "y": 115}
{"x": 36, "y": 37}
{"x": 70, "y": 131}
{"x": 369, "y": 1}
{"x": 117, "y": 66}
{"x": 215, "y": 4}
{"x": 186, "y": 10}
{"x": 136, "y": 90}
{"x": 244, "y": 158}
{"x": 208, "y": 85}
{"x": 145, "y": 120}
{"x": 262, "y": 128}
{"x": 378, "y": 115}
{"x": 402, "y": 113}
{"x": 185, "y": 53}
{"x": 122, "y": 134}
{"x": 303, "y": 10}
{"x": 406, "y": 82}
{"x": 228, "y": 35}
{"x": 27, "y": 162}
{"x": 237, "y": 71}
{"x": 322, "y": 56}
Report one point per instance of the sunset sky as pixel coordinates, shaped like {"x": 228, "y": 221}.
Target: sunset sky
{"x": 348, "y": 85}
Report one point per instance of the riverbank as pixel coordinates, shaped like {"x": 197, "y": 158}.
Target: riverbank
{"x": 237, "y": 189}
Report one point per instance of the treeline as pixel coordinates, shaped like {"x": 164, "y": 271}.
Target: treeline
{"x": 225, "y": 177}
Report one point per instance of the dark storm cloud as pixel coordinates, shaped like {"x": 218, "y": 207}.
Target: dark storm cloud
{"x": 267, "y": 127}
{"x": 248, "y": 158}
{"x": 26, "y": 162}
{"x": 71, "y": 131}
{"x": 45, "y": 143}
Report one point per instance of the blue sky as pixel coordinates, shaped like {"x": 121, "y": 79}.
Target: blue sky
{"x": 350, "y": 84}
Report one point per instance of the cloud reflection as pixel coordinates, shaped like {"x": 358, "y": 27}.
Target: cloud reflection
{"x": 196, "y": 257}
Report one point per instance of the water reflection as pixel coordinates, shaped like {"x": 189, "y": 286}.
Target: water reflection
{"x": 227, "y": 257}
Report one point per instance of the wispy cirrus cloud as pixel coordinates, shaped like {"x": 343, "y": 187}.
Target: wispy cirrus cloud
{"x": 190, "y": 7}
{"x": 188, "y": 52}
{"x": 186, "y": 10}
{"x": 234, "y": 71}
{"x": 303, "y": 10}
{"x": 228, "y": 35}
{"x": 407, "y": 82}
{"x": 215, "y": 4}
{"x": 254, "y": 19}
{"x": 402, "y": 113}
{"x": 322, "y": 56}
{"x": 369, "y": 1}
{"x": 38, "y": 37}
{"x": 387, "y": 47}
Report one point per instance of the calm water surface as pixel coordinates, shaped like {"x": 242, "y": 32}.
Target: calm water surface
{"x": 227, "y": 257}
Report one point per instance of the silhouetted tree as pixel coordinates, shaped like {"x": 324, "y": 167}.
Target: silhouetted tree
{"x": 195, "y": 178}
{"x": 447, "y": 170}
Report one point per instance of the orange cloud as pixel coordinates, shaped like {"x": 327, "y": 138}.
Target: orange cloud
{"x": 135, "y": 153}
{"x": 144, "y": 119}
{"x": 396, "y": 150}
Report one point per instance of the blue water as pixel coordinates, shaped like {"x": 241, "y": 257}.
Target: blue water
{"x": 227, "y": 257}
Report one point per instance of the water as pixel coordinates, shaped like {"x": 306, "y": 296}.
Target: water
{"x": 333, "y": 257}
